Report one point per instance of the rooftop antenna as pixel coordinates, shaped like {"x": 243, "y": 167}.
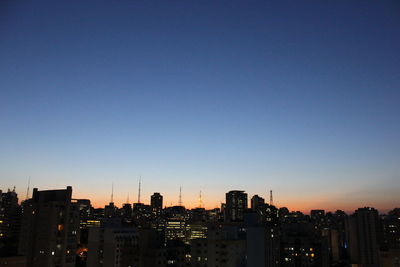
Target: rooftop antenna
{"x": 27, "y": 190}
{"x": 271, "y": 200}
{"x": 140, "y": 182}
{"x": 200, "y": 201}
{"x": 127, "y": 199}
{"x": 180, "y": 195}
{"x": 112, "y": 193}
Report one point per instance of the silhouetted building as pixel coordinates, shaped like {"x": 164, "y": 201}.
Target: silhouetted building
{"x": 256, "y": 201}
{"x": 110, "y": 210}
{"x": 363, "y": 228}
{"x": 127, "y": 211}
{"x": 236, "y": 204}
{"x": 50, "y": 226}
{"x": 10, "y": 222}
{"x": 156, "y": 203}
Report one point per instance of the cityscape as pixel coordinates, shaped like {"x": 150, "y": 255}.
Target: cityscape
{"x": 53, "y": 229}
{"x": 199, "y": 133}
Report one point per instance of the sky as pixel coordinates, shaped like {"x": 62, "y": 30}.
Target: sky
{"x": 298, "y": 97}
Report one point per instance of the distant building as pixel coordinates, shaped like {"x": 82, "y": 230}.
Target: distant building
{"x": 256, "y": 201}
{"x": 50, "y": 226}
{"x": 110, "y": 210}
{"x": 127, "y": 211}
{"x": 156, "y": 203}
{"x": 236, "y": 204}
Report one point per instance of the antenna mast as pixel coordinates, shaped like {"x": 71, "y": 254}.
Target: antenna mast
{"x": 27, "y": 190}
{"x": 200, "y": 201}
{"x": 180, "y": 195}
{"x": 271, "y": 200}
{"x": 140, "y": 182}
{"x": 112, "y": 193}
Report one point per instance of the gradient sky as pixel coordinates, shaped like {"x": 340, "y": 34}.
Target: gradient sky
{"x": 302, "y": 97}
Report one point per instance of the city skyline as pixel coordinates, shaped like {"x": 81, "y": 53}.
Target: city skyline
{"x": 131, "y": 198}
{"x": 298, "y": 98}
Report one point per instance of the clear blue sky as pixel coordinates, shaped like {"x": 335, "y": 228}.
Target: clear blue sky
{"x": 302, "y": 97}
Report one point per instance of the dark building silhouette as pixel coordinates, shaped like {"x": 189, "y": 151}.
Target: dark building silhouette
{"x": 10, "y": 219}
{"x": 256, "y": 201}
{"x": 110, "y": 210}
{"x": 236, "y": 204}
{"x": 363, "y": 228}
{"x": 156, "y": 203}
{"x": 127, "y": 211}
{"x": 50, "y": 226}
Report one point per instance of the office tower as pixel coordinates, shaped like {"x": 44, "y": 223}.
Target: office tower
{"x": 363, "y": 229}
{"x": 10, "y": 218}
{"x": 50, "y": 225}
{"x": 156, "y": 203}
{"x": 236, "y": 203}
{"x": 256, "y": 201}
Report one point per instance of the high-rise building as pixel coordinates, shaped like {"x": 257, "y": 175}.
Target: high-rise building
{"x": 110, "y": 210}
{"x": 127, "y": 211}
{"x": 256, "y": 201}
{"x": 49, "y": 231}
{"x": 156, "y": 203}
{"x": 10, "y": 218}
{"x": 236, "y": 203}
{"x": 363, "y": 228}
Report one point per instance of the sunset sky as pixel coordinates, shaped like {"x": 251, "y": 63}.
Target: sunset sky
{"x": 301, "y": 97}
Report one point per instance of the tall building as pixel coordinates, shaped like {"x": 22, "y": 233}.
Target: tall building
{"x": 236, "y": 203}
{"x": 256, "y": 201}
{"x": 156, "y": 203}
{"x": 10, "y": 218}
{"x": 49, "y": 231}
{"x": 363, "y": 229}
{"x": 110, "y": 210}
